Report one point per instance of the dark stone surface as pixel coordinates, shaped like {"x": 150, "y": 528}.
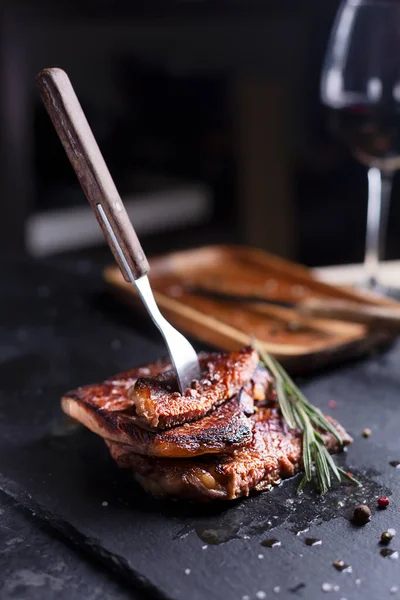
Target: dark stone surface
{"x": 58, "y": 331}
{"x": 36, "y": 564}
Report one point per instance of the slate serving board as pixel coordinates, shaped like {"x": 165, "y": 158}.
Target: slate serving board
{"x": 37, "y": 564}
{"x": 58, "y": 331}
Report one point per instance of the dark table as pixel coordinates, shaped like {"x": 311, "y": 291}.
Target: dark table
{"x": 59, "y": 329}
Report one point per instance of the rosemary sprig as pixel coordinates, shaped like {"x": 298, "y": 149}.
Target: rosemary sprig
{"x": 299, "y": 412}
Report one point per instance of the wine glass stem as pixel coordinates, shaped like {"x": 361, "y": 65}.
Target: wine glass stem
{"x": 379, "y": 192}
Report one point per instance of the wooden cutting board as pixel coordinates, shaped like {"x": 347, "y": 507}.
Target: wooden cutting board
{"x": 301, "y": 343}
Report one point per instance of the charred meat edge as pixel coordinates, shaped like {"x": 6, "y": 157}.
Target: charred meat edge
{"x": 224, "y": 429}
{"x": 275, "y": 453}
{"x": 223, "y": 375}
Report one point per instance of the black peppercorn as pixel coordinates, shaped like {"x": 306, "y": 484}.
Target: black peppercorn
{"x": 361, "y": 514}
{"x": 386, "y": 537}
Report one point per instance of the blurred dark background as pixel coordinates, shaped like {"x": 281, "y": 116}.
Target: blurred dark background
{"x": 208, "y": 115}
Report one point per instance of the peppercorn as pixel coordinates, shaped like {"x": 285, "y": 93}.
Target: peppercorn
{"x": 386, "y": 537}
{"x": 383, "y": 502}
{"x": 366, "y": 432}
{"x": 362, "y": 514}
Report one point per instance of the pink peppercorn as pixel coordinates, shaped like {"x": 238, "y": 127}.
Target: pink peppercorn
{"x": 332, "y": 404}
{"x": 383, "y": 502}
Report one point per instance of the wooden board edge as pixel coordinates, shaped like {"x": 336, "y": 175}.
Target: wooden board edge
{"x": 220, "y": 335}
{"x": 263, "y": 258}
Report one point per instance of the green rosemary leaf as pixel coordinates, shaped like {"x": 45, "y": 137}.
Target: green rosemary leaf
{"x": 322, "y": 474}
{"x": 287, "y": 410}
{"x": 321, "y": 421}
{"x": 302, "y": 484}
{"x": 299, "y": 412}
{"x": 319, "y": 437}
{"x": 284, "y": 402}
{"x": 307, "y": 457}
{"x": 346, "y": 475}
{"x": 324, "y": 463}
{"x": 314, "y": 413}
{"x": 297, "y": 418}
{"x": 331, "y": 462}
{"x": 292, "y": 384}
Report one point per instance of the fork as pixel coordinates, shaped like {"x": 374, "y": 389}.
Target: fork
{"x": 84, "y": 154}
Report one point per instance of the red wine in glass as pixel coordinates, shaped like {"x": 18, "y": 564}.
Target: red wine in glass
{"x": 371, "y": 133}
{"x": 360, "y": 87}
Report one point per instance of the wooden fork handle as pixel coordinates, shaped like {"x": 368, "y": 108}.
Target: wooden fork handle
{"x": 84, "y": 154}
{"x": 375, "y": 317}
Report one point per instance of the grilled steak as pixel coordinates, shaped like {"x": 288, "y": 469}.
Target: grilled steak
{"x": 108, "y": 410}
{"x": 273, "y": 454}
{"x": 224, "y": 438}
{"x": 223, "y": 375}
{"x": 224, "y": 429}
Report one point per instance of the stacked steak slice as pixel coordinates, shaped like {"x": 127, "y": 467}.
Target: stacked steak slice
{"x": 223, "y": 438}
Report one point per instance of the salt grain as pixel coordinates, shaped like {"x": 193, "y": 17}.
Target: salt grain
{"x": 187, "y": 571}
{"x": 394, "y": 589}
{"x": 245, "y": 597}
{"x": 261, "y": 556}
{"x": 277, "y": 589}
{"x": 104, "y": 503}
{"x": 336, "y": 588}
{"x": 261, "y": 595}
{"x": 327, "y": 587}
{"x": 358, "y": 581}
{"x": 204, "y": 547}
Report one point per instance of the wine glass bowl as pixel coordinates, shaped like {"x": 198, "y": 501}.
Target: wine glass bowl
{"x": 360, "y": 88}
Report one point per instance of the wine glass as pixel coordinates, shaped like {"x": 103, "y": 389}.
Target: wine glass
{"x": 360, "y": 86}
